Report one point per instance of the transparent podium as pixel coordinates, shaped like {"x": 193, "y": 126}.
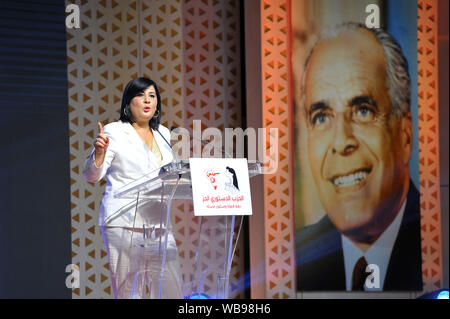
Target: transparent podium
{"x": 192, "y": 261}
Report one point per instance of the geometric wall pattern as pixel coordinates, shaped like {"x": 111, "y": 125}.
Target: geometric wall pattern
{"x": 119, "y": 40}
{"x": 427, "y": 25}
{"x": 212, "y": 94}
{"x": 277, "y": 113}
{"x": 102, "y": 56}
{"x": 161, "y": 54}
{"x": 211, "y": 33}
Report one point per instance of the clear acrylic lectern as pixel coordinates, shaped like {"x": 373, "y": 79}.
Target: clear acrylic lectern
{"x": 209, "y": 242}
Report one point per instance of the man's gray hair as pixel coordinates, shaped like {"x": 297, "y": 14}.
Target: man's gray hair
{"x": 398, "y": 79}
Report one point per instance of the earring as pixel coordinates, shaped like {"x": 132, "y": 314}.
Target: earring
{"x": 156, "y": 114}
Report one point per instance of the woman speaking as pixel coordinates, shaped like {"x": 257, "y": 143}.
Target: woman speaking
{"x": 124, "y": 151}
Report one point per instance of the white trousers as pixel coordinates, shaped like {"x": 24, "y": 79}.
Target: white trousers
{"x": 135, "y": 264}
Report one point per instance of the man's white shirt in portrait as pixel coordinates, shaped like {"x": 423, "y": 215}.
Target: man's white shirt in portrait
{"x": 378, "y": 253}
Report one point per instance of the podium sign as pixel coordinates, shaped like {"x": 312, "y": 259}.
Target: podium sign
{"x": 209, "y": 246}
{"x": 220, "y": 186}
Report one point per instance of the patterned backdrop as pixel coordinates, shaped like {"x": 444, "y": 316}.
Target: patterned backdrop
{"x": 191, "y": 49}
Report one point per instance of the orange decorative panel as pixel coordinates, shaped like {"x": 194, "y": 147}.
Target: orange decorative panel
{"x": 278, "y": 193}
{"x": 429, "y": 144}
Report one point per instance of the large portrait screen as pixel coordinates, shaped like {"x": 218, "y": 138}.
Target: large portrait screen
{"x": 357, "y": 206}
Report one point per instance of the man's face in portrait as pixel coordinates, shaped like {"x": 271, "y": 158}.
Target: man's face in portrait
{"x": 358, "y": 150}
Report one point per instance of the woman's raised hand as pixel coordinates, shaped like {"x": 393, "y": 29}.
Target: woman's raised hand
{"x": 101, "y": 145}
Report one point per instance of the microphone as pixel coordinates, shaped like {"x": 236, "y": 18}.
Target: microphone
{"x": 175, "y": 159}
{"x": 227, "y": 155}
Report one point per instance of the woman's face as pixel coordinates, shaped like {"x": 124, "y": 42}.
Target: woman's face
{"x": 143, "y": 106}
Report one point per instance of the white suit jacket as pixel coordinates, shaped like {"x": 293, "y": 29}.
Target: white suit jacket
{"x": 127, "y": 159}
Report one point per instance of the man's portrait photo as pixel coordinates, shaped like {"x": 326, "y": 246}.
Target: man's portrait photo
{"x": 355, "y": 131}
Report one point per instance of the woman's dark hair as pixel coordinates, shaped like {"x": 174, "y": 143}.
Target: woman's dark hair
{"x": 235, "y": 182}
{"x": 134, "y": 88}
